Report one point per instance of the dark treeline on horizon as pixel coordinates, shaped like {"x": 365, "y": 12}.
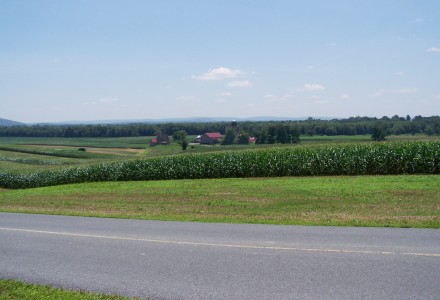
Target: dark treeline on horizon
{"x": 350, "y": 126}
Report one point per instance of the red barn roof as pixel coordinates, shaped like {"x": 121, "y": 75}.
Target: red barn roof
{"x": 214, "y": 135}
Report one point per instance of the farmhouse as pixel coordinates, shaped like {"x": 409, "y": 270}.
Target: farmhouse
{"x": 161, "y": 139}
{"x": 211, "y": 138}
{"x": 197, "y": 139}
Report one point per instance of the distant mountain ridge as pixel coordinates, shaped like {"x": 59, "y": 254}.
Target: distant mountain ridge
{"x": 6, "y": 122}
{"x": 183, "y": 120}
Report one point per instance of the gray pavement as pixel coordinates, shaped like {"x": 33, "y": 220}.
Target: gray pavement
{"x": 174, "y": 260}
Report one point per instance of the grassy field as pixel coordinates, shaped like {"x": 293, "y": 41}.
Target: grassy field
{"x": 396, "y": 201}
{"x": 20, "y": 155}
{"x": 17, "y": 290}
{"x": 317, "y": 139}
{"x": 123, "y": 142}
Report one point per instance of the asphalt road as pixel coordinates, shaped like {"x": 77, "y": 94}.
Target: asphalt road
{"x": 173, "y": 260}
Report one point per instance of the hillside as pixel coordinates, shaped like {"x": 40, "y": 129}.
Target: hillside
{"x": 5, "y": 122}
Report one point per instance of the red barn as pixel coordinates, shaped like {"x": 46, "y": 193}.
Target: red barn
{"x": 161, "y": 139}
{"x": 211, "y": 138}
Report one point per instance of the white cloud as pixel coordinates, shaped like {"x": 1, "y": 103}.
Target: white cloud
{"x": 321, "y": 101}
{"x": 240, "y": 84}
{"x": 220, "y": 74}
{"x": 108, "y": 100}
{"x": 406, "y": 91}
{"x": 418, "y": 20}
{"x": 225, "y": 94}
{"x": 345, "y": 97}
{"x": 186, "y": 98}
{"x": 102, "y": 101}
{"x": 269, "y": 98}
{"x": 433, "y": 49}
{"x": 56, "y": 108}
{"x": 311, "y": 87}
{"x": 402, "y": 91}
{"x": 400, "y": 73}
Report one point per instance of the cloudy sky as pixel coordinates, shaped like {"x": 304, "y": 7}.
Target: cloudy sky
{"x": 137, "y": 59}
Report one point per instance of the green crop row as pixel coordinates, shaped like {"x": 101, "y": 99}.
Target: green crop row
{"x": 46, "y": 153}
{"x": 31, "y": 161}
{"x": 360, "y": 159}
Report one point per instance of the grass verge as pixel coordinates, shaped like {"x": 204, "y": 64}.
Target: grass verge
{"x": 14, "y": 290}
{"x": 394, "y": 201}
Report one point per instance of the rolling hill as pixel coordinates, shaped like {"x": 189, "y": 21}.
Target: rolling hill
{"x": 5, "y": 122}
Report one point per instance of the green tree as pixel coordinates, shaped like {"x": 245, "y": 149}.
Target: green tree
{"x": 261, "y": 136}
{"x": 229, "y": 137}
{"x": 243, "y": 138}
{"x": 271, "y": 134}
{"x": 180, "y": 136}
{"x": 378, "y": 133}
{"x": 436, "y": 127}
{"x": 429, "y": 130}
{"x": 282, "y": 133}
{"x": 184, "y": 145}
{"x": 294, "y": 135}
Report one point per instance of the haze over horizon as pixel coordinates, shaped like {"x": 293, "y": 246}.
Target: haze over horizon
{"x": 118, "y": 60}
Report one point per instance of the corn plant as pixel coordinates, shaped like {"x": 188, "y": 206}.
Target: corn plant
{"x": 357, "y": 159}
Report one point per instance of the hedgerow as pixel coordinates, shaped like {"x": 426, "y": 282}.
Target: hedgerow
{"x": 359, "y": 159}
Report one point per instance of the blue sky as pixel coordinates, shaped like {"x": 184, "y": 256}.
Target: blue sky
{"x": 129, "y": 59}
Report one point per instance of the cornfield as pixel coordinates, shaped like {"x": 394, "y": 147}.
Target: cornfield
{"x": 360, "y": 159}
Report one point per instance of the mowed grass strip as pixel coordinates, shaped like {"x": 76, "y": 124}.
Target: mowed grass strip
{"x": 395, "y": 201}
{"x": 15, "y": 290}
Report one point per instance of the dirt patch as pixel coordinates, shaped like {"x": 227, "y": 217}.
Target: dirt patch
{"x": 114, "y": 150}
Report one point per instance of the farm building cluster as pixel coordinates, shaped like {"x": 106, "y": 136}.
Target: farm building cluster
{"x": 209, "y": 138}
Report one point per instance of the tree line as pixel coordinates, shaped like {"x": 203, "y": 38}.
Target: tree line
{"x": 264, "y": 131}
